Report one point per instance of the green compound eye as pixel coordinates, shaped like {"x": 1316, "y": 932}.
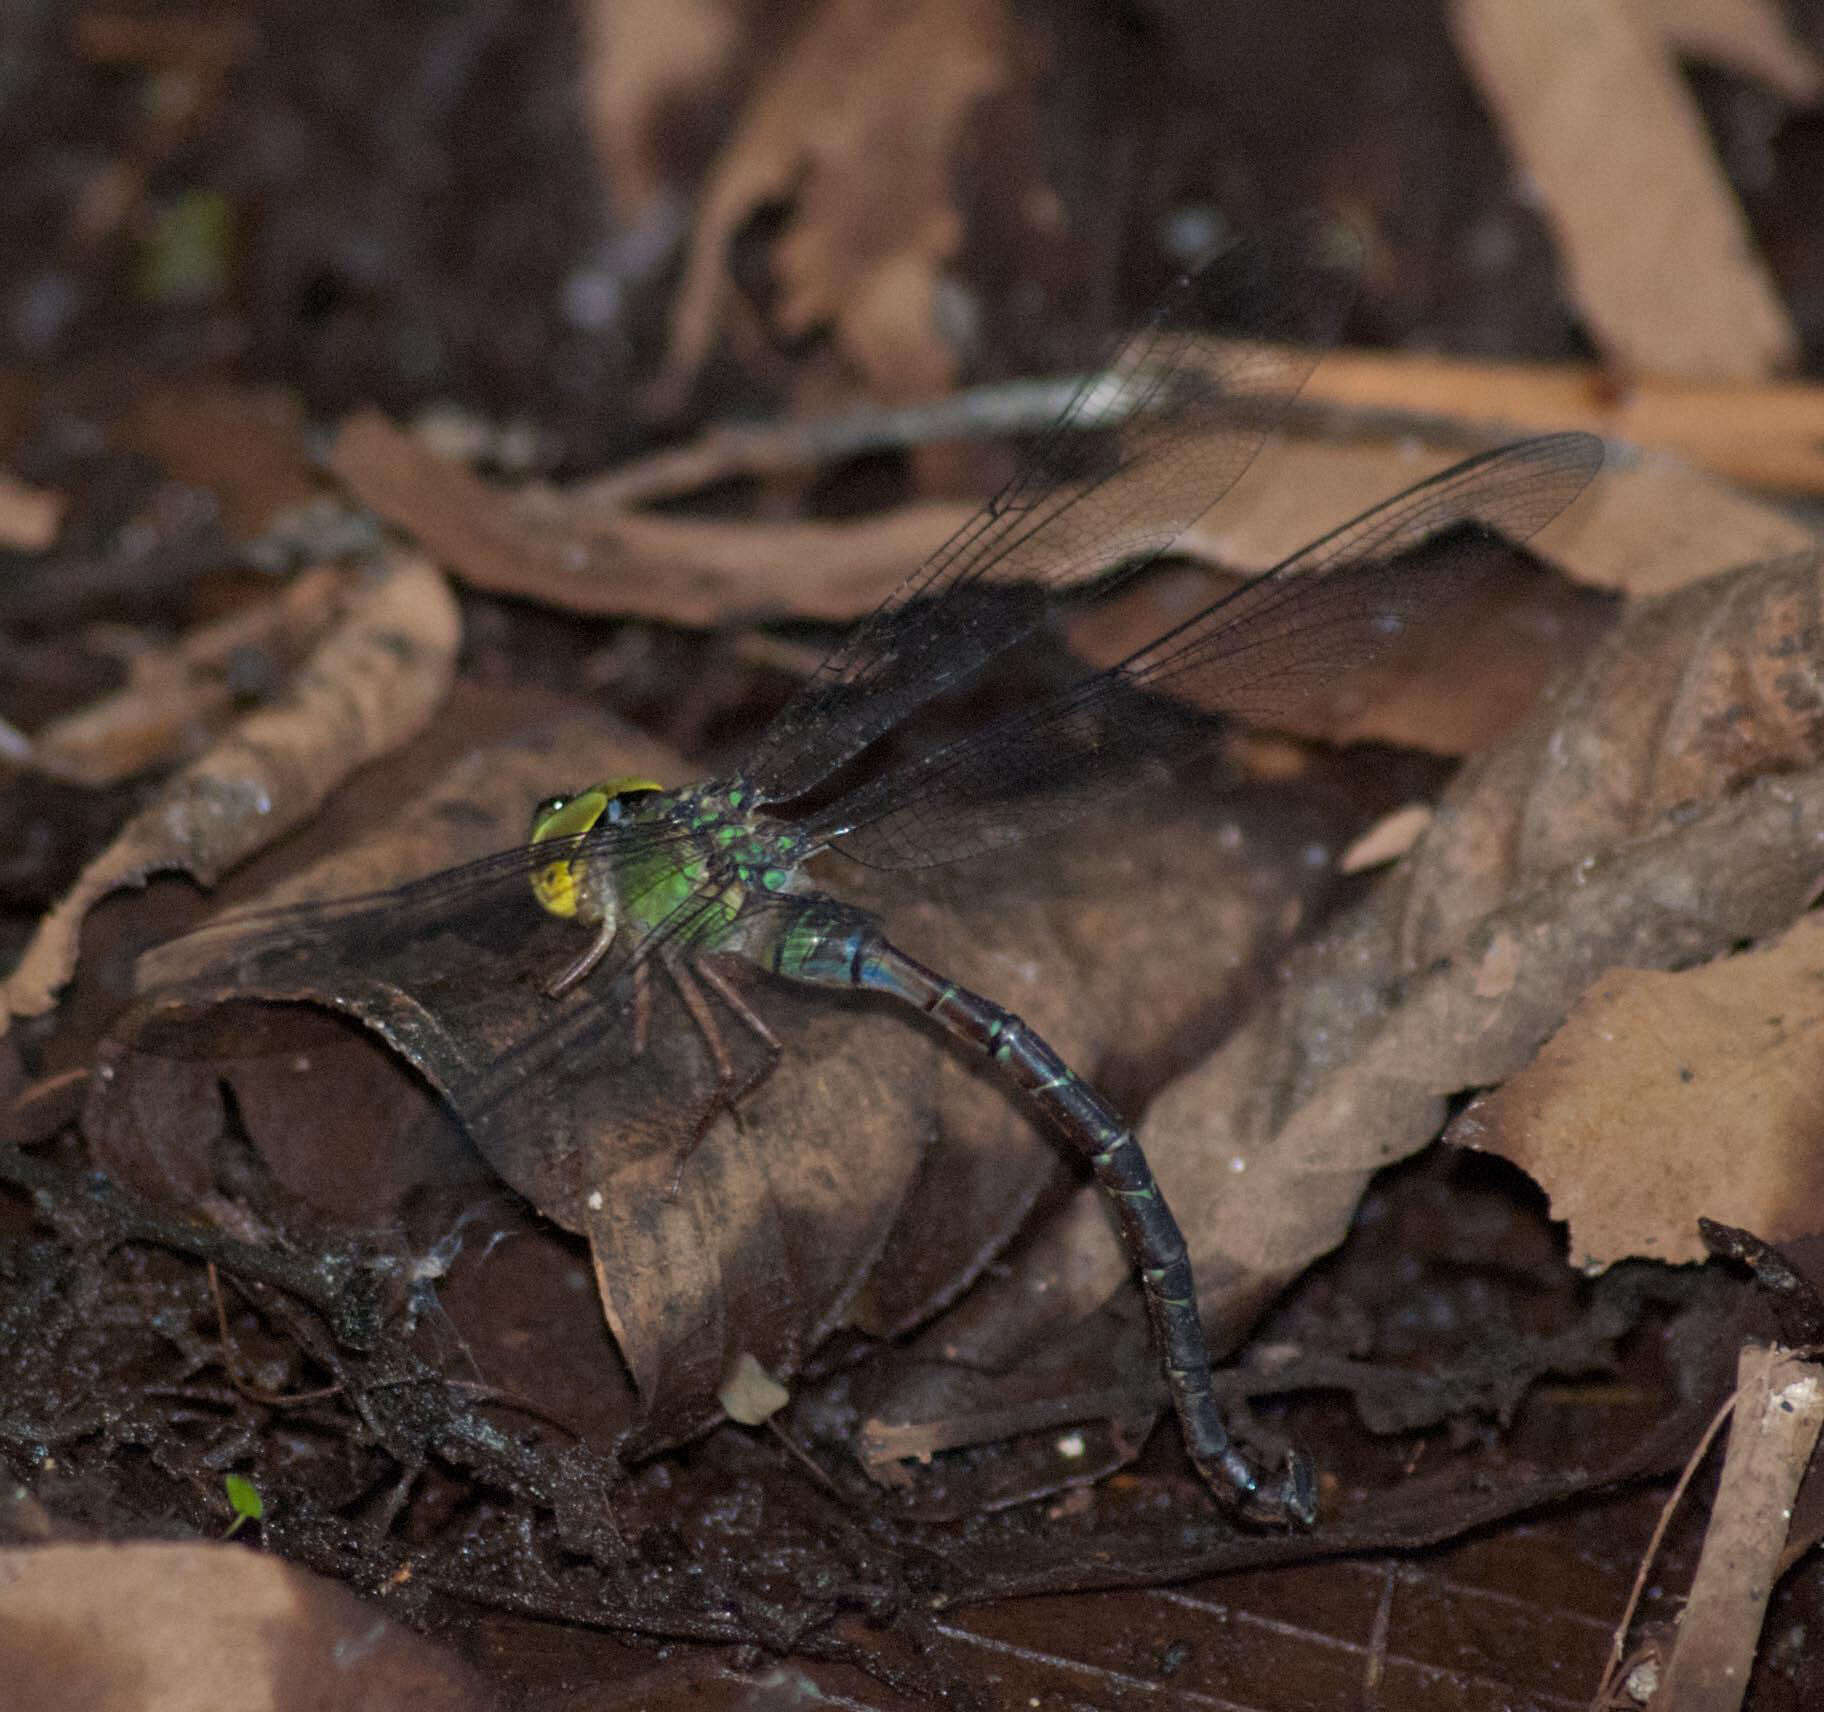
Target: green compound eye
{"x": 629, "y": 796}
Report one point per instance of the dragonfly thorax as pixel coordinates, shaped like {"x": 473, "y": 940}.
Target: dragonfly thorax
{"x": 630, "y": 854}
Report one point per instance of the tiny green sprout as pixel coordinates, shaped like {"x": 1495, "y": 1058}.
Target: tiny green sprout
{"x": 245, "y": 1497}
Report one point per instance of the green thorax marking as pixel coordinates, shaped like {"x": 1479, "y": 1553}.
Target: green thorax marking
{"x": 705, "y": 845}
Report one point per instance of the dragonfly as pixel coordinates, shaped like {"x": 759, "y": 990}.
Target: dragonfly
{"x": 636, "y": 886}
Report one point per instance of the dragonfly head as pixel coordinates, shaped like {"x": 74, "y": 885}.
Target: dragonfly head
{"x": 563, "y": 885}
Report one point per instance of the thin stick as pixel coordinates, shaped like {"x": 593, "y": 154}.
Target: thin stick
{"x": 1605, "y": 1692}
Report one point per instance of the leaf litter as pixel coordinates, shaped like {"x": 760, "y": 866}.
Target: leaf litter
{"x": 1659, "y": 808}
{"x": 1024, "y": 1561}
{"x": 888, "y": 1252}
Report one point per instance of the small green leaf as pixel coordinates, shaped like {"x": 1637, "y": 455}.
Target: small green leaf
{"x": 245, "y": 1497}
{"x": 186, "y": 256}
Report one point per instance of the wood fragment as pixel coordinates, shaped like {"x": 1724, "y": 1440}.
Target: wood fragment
{"x": 1764, "y": 433}
{"x": 1779, "y": 1409}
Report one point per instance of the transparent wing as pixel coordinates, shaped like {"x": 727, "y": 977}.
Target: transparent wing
{"x": 454, "y": 971}
{"x": 485, "y": 898}
{"x": 1260, "y": 653}
{"x": 1143, "y": 449}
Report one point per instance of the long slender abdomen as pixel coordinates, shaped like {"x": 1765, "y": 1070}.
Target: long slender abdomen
{"x": 853, "y": 953}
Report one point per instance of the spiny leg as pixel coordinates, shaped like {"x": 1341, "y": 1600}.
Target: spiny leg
{"x": 729, "y": 1090}
{"x": 732, "y": 996}
{"x": 583, "y": 962}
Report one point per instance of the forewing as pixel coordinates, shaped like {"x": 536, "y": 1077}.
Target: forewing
{"x": 453, "y": 971}
{"x": 1260, "y": 653}
{"x": 1143, "y": 449}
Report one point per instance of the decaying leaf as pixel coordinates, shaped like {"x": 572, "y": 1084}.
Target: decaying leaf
{"x": 374, "y": 682}
{"x": 244, "y": 446}
{"x": 1670, "y": 1097}
{"x": 1651, "y": 525}
{"x": 29, "y": 516}
{"x": 645, "y": 64}
{"x": 1662, "y": 806}
{"x": 177, "y": 697}
{"x": 872, "y": 1174}
{"x": 862, "y": 251}
{"x": 1748, "y": 36}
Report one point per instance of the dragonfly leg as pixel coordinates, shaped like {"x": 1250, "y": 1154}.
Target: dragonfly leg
{"x": 580, "y": 965}
{"x": 731, "y": 995}
{"x": 730, "y": 1089}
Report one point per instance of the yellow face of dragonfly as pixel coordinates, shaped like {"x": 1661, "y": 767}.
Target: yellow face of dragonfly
{"x": 562, "y": 886}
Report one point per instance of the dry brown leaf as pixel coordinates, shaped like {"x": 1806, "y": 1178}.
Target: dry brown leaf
{"x": 373, "y": 683}
{"x": 205, "y": 1628}
{"x": 176, "y": 698}
{"x": 1648, "y": 526}
{"x": 1656, "y": 250}
{"x": 646, "y": 63}
{"x": 681, "y": 570}
{"x": 857, "y": 132}
{"x": 1655, "y": 525}
{"x": 1693, "y": 697}
{"x": 1669, "y": 1097}
{"x": 1746, "y": 36}
{"x": 1663, "y": 806}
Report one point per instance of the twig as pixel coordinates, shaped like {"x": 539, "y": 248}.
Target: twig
{"x": 1776, "y": 1426}
{"x": 1752, "y": 1378}
{"x": 1611, "y": 1675}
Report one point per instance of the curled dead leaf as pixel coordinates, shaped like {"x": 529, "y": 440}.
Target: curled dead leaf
{"x": 177, "y": 696}
{"x": 580, "y": 557}
{"x": 862, "y": 250}
{"x": 375, "y": 681}
{"x": 1589, "y": 99}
